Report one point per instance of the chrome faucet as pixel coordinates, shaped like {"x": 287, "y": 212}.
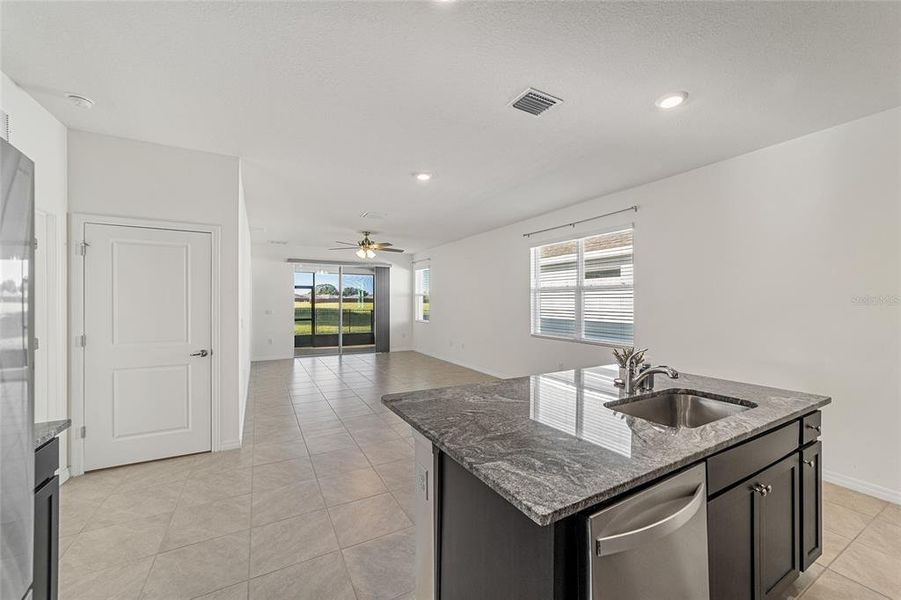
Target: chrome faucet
{"x": 639, "y": 377}
{"x": 645, "y": 379}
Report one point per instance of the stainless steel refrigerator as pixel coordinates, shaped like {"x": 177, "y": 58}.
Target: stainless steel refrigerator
{"x": 16, "y": 373}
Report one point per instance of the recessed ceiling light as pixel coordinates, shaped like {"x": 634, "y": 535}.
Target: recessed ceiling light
{"x": 80, "y": 101}
{"x": 422, "y": 176}
{"x": 671, "y": 100}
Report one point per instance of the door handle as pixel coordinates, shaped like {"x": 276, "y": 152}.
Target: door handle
{"x": 809, "y": 463}
{"x": 629, "y": 540}
{"x": 202, "y": 353}
{"x": 816, "y": 428}
{"x": 763, "y": 490}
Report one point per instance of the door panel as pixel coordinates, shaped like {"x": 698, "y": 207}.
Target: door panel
{"x": 779, "y": 527}
{"x": 731, "y": 533}
{"x": 147, "y": 309}
{"x": 811, "y": 505}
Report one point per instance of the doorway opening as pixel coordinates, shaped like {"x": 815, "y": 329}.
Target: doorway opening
{"x": 334, "y": 309}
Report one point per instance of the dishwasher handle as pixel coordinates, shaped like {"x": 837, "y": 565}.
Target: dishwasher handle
{"x": 629, "y": 540}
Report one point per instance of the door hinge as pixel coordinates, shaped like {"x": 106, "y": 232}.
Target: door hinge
{"x": 83, "y": 248}
{"x": 82, "y": 340}
{"x": 37, "y": 344}
{"x": 83, "y": 430}
{"x": 34, "y": 243}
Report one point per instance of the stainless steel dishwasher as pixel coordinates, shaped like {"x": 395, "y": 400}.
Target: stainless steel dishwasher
{"x": 653, "y": 544}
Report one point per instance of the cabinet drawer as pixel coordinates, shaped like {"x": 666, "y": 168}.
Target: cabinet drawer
{"x": 810, "y": 427}
{"x": 735, "y": 464}
{"x": 46, "y": 462}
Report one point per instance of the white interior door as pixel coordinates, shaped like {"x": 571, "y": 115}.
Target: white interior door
{"x": 147, "y": 313}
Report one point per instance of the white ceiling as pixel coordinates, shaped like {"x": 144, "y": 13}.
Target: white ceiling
{"x": 332, "y": 105}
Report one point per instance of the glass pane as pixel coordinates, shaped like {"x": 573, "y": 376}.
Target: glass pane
{"x": 557, "y": 265}
{"x": 556, "y": 312}
{"x": 358, "y": 303}
{"x": 608, "y": 299}
{"x": 302, "y": 310}
{"x": 303, "y": 278}
{"x": 326, "y": 292}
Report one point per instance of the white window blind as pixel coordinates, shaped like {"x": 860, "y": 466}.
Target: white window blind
{"x": 423, "y": 276}
{"x": 583, "y": 289}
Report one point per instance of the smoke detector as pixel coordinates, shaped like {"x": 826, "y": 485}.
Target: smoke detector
{"x": 535, "y": 102}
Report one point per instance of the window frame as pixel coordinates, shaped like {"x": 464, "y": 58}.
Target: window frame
{"x": 420, "y": 295}
{"x": 578, "y": 335}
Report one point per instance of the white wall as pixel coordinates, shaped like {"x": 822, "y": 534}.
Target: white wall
{"x": 42, "y": 138}
{"x": 245, "y": 291}
{"x": 746, "y": 269}
{"x": 273, "y": 298}
{"x": 115, "y": 176}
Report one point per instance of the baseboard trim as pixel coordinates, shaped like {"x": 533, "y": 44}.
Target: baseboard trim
{"x": 269, "y": 358}
{"x": 463, "y": 364}
{"x": 63, "y": 475}
{"x": 230, "y": 445}
{"x": 858, "y": 485}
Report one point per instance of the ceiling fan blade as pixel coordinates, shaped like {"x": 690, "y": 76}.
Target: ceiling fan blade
{"x": 381, "y": 245}
{"x": 341, "y": 248}
{"x": 346, "y": 243}
{"x": 391, "y": 250}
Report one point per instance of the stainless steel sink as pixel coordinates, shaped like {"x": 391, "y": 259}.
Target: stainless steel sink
{"x": 679, "y": 409}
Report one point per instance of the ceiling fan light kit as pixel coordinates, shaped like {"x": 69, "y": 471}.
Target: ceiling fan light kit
{"x": 366, "y": 248}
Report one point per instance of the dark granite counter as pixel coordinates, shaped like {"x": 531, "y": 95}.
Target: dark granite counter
{"x": 46, "y": 431}
{"x": 550, "y": 447}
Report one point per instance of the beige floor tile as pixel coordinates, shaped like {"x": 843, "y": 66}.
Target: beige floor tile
{"x": 367, "y": 519}
{"x": 397, "y": 474}
{"x": 867, "y": 566}
{"x": 127, "y": 506}
{"x": 288, "y": 501}
{"x": 115, "y": 545}
{"x": 290, "y": 541}
{"x": 232, "y": 592}
{"x": 892, "y": 514}
{"x": 64, "y": 543}
{"x": 862, "y": 503}
{"x": 319, "y": 444}
{"x": 832, "y": 586}
{"x": 269, "y": 452}
{"x": 198, "y": 522}
{"x": 339, "y": 462}
{"x": 350, "y": 486}
{"x": 844, "y": 521}
{"x": 122, "y": 582}
{"x": 883, "y": 536}
{"x": 156, "y": 473}
{"x": 381, "y": 453}
{"x": 275, "y": 475}
{"x": 382, "y": 568}
{"x": 198, "y": 569}
{"x": 74, "y": 514}
{"x": 239, "y": 458}
{"x": 93, "y": 487}
{"x": 322, "y": 578}
{"x": 209, "y": 486}
{"x": 803, "y": 582}
{"x": 833, "y": 544}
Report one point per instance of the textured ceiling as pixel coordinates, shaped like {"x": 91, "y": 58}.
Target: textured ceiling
{"x": 332, "y": 105}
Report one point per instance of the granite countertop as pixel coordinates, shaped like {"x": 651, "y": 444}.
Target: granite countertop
{"x": 46, "y": 431}
{"x": 549, "y": 446}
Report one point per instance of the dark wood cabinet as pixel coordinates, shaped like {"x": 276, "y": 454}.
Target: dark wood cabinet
{"x": 811, "y": 504}
{"x": 754, "y": 534}
{"x": 46, "y": 521}
{"x": 46, "y": 540}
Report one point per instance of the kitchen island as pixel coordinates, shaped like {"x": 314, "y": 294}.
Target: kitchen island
{"x": 521, "y": 466}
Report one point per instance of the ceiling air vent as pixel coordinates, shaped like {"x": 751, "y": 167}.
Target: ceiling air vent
{"x": 535, "y": 101}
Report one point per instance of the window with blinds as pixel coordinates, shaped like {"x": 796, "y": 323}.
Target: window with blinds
{"x": 584, "y": 289}
{"x": 421, "y": 294}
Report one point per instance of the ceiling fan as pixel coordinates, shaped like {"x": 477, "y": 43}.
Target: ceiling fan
{"x": 366, "y": 247}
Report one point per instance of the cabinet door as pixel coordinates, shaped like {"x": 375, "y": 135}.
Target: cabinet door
{"x": 811, "y": 505}
{"x": 779, "y": 548}
{"x": 46, "y": 540}
{"x": 753, "y": 535}
{"x": 732, "y": 524}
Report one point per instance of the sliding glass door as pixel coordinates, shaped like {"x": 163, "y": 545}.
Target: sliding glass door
{"x": 334, "y": 307}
